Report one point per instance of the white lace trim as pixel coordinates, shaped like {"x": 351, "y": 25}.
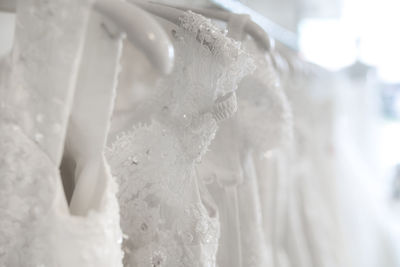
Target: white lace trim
{"x": 236, "y": 61}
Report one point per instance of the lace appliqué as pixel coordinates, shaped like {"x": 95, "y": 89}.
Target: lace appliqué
{"x": 236, "y": 62}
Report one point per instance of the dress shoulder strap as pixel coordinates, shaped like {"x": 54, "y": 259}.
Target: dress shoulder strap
{"x": 43, "y": 68}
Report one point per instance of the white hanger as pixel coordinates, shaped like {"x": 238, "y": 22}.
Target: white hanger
{"x": 141, "y": 29}
{"x": 96, "y": 89}
{"x": 89, "y": 120}
{"x": 173, "y": 12}
{"x": 8, "y": 5}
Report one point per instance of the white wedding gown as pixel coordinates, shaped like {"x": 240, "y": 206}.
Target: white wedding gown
{"x": 166, "y": 212}
{"x": 311, "y": 233}
{"x": 36, "y": 91}
{"x": 243, "y": 197}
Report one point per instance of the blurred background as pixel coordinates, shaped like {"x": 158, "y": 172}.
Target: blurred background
{"x": 357, "y": 40}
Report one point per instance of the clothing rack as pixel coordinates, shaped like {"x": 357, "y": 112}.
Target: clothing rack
{"x": 7, "y": 5}
{"x": 275, "y": 31}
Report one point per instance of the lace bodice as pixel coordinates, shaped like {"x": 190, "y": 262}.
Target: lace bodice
{"x": 168, "y": 222}
{"x": 36, "y": 228}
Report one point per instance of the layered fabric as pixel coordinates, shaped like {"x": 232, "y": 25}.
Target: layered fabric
{"x": 263, "y": 123}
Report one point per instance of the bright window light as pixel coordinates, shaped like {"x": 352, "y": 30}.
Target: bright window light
{"x": 327, "y": 42}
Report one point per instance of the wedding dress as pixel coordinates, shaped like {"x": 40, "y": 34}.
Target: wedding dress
{"x": 262, "y": 123}
{"x": 36, "y": 91}
{"x": 372, "y": 231}
{"x": 314, "y": 235}
{"x": 166, "y": 212}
